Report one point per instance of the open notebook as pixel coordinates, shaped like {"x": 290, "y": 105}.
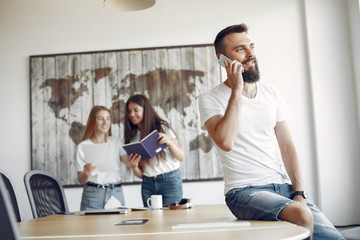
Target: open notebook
{"x": 118, "y": 210}
{"x": 148, "y": 147}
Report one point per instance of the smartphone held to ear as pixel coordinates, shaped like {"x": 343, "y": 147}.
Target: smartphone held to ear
{"x": 223, "y": 58}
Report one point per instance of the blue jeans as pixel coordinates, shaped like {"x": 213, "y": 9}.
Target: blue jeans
{"x": 97, "y": 197}
{"x": 265, "y": 203}
{"x": 169, "y": 185}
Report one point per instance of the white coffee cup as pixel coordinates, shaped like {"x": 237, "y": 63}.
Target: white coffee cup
{"x": 155, "y": 202}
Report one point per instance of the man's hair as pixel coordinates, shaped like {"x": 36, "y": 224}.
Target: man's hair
{"x": 219, "y": 43}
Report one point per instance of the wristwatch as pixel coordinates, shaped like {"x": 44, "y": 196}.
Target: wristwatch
{"x": 301, "y": 193}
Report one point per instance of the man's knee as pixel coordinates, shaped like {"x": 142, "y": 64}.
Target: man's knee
{"x": 298, "y": 214}
{"x": 305, "y": 217}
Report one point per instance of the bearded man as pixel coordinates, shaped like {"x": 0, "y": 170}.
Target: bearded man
{"x": 248, "y": 121}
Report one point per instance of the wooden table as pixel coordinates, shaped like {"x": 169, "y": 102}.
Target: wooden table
{"x": 159, "y": 226}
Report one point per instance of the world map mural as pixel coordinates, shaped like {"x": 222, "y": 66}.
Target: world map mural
{"x": 64, "y": 88}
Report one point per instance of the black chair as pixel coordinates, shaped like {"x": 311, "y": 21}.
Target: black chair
{"x": 8, "y": 226}
{"x": 12, "y": 195}
{"x": 46, "y": 194}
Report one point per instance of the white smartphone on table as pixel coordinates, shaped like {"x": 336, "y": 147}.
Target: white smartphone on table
{"x": 222, "y": 58}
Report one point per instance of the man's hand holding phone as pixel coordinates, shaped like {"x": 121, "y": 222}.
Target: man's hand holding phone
{"x": 234, "y": 70}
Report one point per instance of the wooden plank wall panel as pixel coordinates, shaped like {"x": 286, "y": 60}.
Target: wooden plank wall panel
{"x": 63, "y": 99}
{"x": 37, "y": 113}
{"x": 65, "y": 87}
{"x": 123, "y": 69}
{"x": 111, "y": 79}
{"x": 176, "y": 104}
{"x": 99, "y": 83}
{"x": 188, "y": 77}
{"x": 205, "y": 158}
{"x": 49, "y": 117}
{"x": 86, "y": 83}
{"x": 76, "y": 88}
{"x": 213, "y": 80}
{"x": 161, "y": 63}
{"x": 135, "y": 71}
{"x": 147, "y": 79}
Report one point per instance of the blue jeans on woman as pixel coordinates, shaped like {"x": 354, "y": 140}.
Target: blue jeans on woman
{"x": 169, "y": 185}
{"x": 265, "y": 203}
{"x": 96, "y": 197}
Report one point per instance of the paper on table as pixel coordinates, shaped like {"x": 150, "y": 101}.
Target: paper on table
{"x": 212, "y": 224}
{"x": 112, "y": 203}
{"x": 100, "y": 155}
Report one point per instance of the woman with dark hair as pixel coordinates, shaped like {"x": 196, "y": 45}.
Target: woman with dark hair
{"x": 160, "y": 174}
{"x": 99, "y": 187}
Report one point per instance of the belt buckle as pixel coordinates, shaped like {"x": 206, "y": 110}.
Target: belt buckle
{"x": 103, "y": 186}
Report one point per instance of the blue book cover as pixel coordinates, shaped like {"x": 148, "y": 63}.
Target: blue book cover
{"x": 148, "y": 147}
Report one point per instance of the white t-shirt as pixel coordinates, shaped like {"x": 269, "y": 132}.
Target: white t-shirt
{"x": 102, "y": 177}
{"x": 255, "y": 158}
{"x": 154, "y": 166}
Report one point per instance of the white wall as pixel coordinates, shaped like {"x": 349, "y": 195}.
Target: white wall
{"x": 306, "y": 48}
{"x": 336, "y": 112}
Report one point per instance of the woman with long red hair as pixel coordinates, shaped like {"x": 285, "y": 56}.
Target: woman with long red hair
{"x": 99, "y": 187}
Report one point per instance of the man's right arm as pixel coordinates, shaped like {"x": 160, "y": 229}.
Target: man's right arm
{"x": 224, "y": 129}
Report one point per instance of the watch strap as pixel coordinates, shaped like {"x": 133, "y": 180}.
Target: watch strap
{"x": 301, "y": 193}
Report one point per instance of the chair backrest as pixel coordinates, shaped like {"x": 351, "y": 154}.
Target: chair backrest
{"x": 8, "y": 226}
{"x": 46, "y": 194}
{"x": 12, "y": 195}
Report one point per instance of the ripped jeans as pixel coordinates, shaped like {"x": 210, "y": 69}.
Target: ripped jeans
{"x": 265, "y": 203}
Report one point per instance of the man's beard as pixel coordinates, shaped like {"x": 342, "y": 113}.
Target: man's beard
{"x": 252, "y": 75}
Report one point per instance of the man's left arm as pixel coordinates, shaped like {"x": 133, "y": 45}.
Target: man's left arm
{"x": 289, "y": 157}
